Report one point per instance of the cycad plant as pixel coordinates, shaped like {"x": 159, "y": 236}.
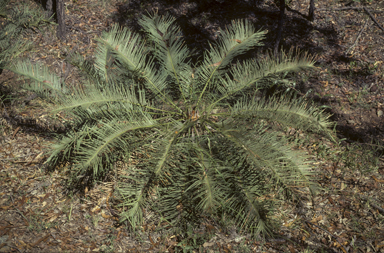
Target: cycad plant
{"x": 194, "y": 140}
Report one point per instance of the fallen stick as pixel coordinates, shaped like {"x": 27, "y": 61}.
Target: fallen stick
{"x": 380, "y": 209}
{"x": 333, "y": 236}
{"x": 373, "y": 18}
{"x": 341, "y": 9}
{"x": 347, "y": 8}
{"x": 357, "y": 38}
{"x": 355, "y": 8}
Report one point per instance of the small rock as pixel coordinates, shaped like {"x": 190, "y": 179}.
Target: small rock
{"x": 351, "y": 122}
{"x": 379, "y": 113}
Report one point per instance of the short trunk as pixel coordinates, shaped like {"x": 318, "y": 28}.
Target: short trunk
{"x": 280, "y": 26}
{"x": 60, "y": 12}
{"x": 311, "y": 14}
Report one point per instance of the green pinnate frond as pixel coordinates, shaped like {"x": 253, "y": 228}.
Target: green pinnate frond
{"x": 169, "y": 49}
{"x": 128, "y": 46}
{"x": 135, "y": 196}
{"x": 130, "y": 50}
{"x": 43, "y": 81}
{"x": 3, "y": 7}
{"x": 93, "y": 98}
{"x": 238, "y": 38}
{"x": 89, "y": 72}
{"x": 208, "y": 183}
{"x": 253, "y": 73}
{"x": 287, "y": 111}
{"x": 108, "y": 138}
{"x": 235, "y": 40}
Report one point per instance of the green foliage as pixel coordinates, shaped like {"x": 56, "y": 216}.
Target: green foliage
{"x": 17, "y": 21}
{"x": 192, "y": 140}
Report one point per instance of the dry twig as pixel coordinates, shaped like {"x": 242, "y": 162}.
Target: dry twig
{"x": 341, "y": 9}
{"x": 333, "y": 236}
{"x": 373, "y": 18}
{"x": 357, "y": 38}
{"x": 380, "y": 209}
{"x": 355, "y": 8}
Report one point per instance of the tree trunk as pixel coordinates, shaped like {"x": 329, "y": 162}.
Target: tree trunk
{"x": 311, "y": 14}
{"x": 280, "y": 26}
{"x": 60, "y": 13}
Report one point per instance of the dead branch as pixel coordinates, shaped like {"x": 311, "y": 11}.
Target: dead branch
{"x": 335, "y": 237}
{"x": 355, "y": 8}
{"x": 348, "y": 8}
{"x": 380, "y": 209}
{"x": 341, "y": 9}
{"x": 357, "y": 38}
{"x": 373, "y": 18}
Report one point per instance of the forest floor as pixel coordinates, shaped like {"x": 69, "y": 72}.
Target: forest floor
{"x": 38, "y": 214}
